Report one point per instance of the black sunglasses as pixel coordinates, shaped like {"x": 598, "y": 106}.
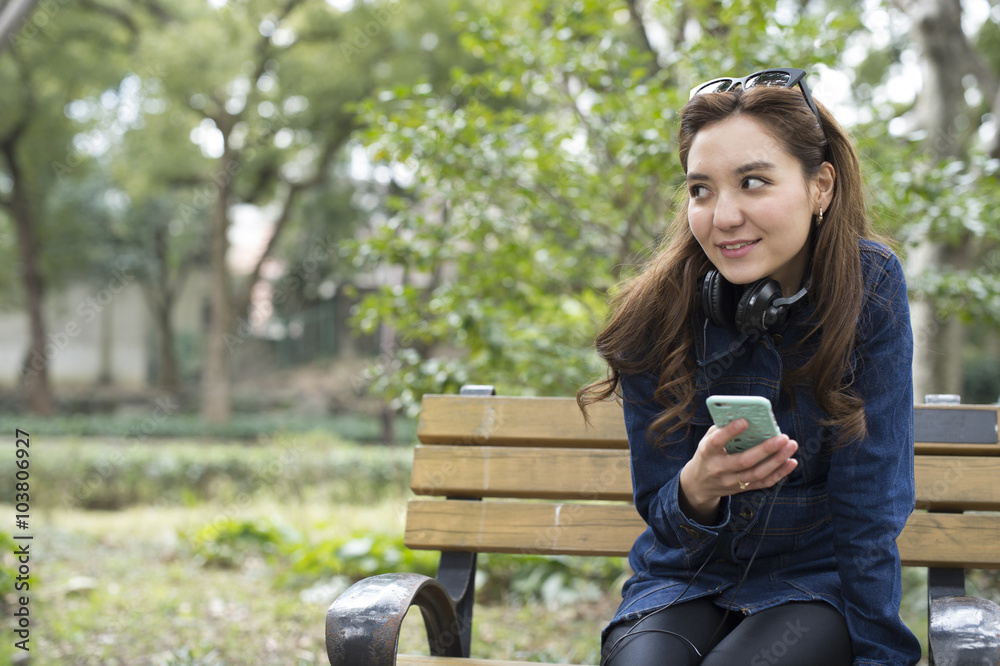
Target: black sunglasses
{"x": 781, "y": 77}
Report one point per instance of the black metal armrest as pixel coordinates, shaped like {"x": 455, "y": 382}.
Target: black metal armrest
{"x": 362, "y": 625}
{"x": 964, "y": 630}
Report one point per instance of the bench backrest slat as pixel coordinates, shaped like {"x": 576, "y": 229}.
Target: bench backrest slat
{"x": 502, "y": 421}
{"x": 522, "y": 471}
{"x": 520, "y": 421}
{"x": 576, "y": 480}
{"x": 944, "y": 483}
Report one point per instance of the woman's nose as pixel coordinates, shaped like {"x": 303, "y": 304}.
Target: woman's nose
{"x": 727, "y": 213}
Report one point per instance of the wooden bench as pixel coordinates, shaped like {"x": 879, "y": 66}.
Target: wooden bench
{"x": 486, "y": 461}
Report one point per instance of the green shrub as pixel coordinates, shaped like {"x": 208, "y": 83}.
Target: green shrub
{"x": 227, "y": 542}
{"x": 96, "y": 474}
{"x": 356, "y": 556}
{"x": 556, "y": 581}
{"x": 153, "y": 424}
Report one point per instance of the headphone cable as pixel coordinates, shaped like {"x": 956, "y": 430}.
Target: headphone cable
{"x": 634, "y": 630}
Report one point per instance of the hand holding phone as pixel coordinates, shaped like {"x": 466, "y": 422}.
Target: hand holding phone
{"x": 756, "y": 410}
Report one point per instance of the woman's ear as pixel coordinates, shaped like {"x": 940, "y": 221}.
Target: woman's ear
{"x": 822, "y": 186}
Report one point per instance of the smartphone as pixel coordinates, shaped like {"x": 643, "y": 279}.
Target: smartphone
{"x": 756, "y": 410}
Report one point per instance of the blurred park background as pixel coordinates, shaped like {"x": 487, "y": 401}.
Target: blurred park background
{"x": 240, "y": 239}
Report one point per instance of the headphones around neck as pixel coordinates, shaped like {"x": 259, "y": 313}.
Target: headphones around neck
{"x": 759, "y": 309}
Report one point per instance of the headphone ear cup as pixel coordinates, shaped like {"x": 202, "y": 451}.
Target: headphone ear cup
{"x": 718, "y": 298}
{"x": 755, "y": 311}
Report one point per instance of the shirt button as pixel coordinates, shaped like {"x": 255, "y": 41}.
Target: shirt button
{"x": 777, "y": 338}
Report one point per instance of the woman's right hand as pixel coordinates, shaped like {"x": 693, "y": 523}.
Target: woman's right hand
{"x": 712, "y": 473}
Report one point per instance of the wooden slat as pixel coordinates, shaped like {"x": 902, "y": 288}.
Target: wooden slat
{"x": 530, "y": 421}
{"x": 525, "y": 472}
{"x": 943, "y": 482}
{"x": 417, "y": 660}
{"x": 958, "y": 483}
{"x": 500, "y": 421}
{"x": 544, "y": 528}
{"x": 929, "y": 539}
{"x": 951, "y": 540}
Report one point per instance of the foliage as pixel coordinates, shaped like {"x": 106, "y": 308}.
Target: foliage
{"x": 132, "y": 472}
{"x": 555, "y": 582}
{"x": 130, "y": 428}
{"x": 356, "y": 556}
{"x": 526, "y": 190}
{"x": 228, "y": 541}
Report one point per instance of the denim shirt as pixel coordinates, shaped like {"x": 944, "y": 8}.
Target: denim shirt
{"x": 833, "y": 522}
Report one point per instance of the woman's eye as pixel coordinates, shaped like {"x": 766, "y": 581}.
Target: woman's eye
{"x": 752, "y": 183}
{"x": 696, "y": 191}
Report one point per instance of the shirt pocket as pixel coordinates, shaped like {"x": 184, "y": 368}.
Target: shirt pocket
{"x": 798, "y": 530}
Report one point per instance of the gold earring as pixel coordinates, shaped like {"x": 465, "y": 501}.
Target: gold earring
{"x": 819, "y": 218}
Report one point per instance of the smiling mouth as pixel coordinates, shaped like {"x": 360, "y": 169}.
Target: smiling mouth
{"x": 737, "y": 246}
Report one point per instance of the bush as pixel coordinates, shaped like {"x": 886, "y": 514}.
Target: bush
{"x": 228, "y": 543}
{"x": 94, "y": 474}
{"x": 556, "y": 581}
{"x": 154, "y": 425}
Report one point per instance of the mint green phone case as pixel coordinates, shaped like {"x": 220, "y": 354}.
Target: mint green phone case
{"x": 756, "y": 410}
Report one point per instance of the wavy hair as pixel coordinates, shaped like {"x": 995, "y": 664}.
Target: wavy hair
{"x": 651, "y": 326}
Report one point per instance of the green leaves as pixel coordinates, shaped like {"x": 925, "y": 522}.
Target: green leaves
{"x": 536, "y": 179}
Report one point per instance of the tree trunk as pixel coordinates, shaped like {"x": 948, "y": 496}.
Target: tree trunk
{"x": 946, "y": 58}
{"x": 161, "y": 297}
{"x": 215, "y": 403}
{"x": 35, "y": 368}
{"x": 168, "y": 379}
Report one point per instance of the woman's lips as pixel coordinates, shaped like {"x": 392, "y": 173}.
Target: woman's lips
{"x": 737, "y": 249}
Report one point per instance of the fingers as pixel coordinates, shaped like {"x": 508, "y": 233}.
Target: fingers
{"x": 717, "y": 437}
{"x": 766, "y": 464}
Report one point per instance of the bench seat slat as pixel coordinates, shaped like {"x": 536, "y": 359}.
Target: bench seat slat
{"x": 967, "y": 541}
{"x": 542, "y": 528}
{"x": 548, "y": 528}
{"x": 526, "y": 472}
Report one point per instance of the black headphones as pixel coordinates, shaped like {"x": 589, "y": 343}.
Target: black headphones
{"x": 759, "y": 309}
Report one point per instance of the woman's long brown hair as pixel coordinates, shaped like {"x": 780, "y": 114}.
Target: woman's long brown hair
{"x": 651, "y": 327}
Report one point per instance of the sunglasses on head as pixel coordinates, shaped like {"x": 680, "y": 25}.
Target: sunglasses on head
{"x": 782, "y": 77}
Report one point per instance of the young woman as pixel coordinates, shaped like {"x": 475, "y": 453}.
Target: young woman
{"x": 769, "y": 284}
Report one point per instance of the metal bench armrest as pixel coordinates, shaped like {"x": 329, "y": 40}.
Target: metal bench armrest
{"x": 362, "y": 624}
{"x": 964, "y": 630}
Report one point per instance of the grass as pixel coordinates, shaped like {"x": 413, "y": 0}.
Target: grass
{"x": 134, "y": 586}
{"x": 119, "y": 588}
{"x": 129, "y": 586}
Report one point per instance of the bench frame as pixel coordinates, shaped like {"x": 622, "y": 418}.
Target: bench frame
{"x": 362, "y": 626}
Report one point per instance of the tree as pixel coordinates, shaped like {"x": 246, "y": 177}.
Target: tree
{"x": 50, "y": 61}
{"x": 942, "y": 199}
{"x": 265, "y": 91}
{"x": 543, "y": 175}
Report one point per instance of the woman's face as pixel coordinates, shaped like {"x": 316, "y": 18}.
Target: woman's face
{"x": 749, "y": 205}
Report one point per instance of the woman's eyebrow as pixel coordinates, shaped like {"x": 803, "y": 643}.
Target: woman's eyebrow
{"x": 760, "y": 165}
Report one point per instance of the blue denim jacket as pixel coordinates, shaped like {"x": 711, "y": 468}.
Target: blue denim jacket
{"x": 834, "y": 522}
